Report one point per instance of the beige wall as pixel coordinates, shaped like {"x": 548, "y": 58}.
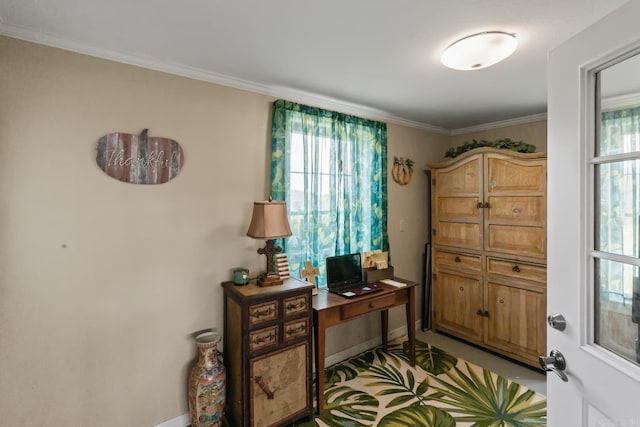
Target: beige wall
{"x": 102, "y": 283}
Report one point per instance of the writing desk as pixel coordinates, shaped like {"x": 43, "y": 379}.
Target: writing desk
{"x": 331, "y": 309}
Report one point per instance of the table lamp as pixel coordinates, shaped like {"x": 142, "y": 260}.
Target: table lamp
{"x": 269, "y": 221}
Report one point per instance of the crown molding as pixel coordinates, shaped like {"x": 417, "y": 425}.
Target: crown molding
{"x": 500, "y": 124}
{"x": 334, "y": 104}
{"x": 290, "y": 94}
{"x": 130, "y": 59}
{"x": 216, "y": 78}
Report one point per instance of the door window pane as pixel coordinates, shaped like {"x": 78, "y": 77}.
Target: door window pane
{"x": 620, "y": 108}
{"x": 618, "y": 308}
{"x": 618, "y": 207}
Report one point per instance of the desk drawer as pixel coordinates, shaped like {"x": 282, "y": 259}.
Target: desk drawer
{"x": 358, "y": 308}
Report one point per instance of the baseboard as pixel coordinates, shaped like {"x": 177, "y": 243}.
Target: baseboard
{"x": 367, "y": 345}
{"x": 183, "y": 420}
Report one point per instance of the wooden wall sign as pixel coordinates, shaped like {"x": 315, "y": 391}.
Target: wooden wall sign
{"x": 139, "y": 159}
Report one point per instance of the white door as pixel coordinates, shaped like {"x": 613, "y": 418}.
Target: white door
{"x": 594, "y": 226}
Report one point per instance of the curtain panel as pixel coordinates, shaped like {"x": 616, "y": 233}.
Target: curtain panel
{"x": 331, "y": 169}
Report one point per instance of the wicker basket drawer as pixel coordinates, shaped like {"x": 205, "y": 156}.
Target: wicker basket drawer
{"x": 263, "y": 312}
{"x": 295, "y": 329}
{"x": 263, "y": 338}
{"x": 295, "y": 306}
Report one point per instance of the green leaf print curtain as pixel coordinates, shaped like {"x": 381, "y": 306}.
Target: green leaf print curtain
{"x": 331, "y": 169}
{"x": 619, "y": 199}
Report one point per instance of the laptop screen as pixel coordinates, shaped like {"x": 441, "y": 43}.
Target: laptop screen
{"x": 344, "y": 269}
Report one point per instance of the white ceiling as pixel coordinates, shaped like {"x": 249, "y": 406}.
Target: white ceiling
{"x": 377, "y": 58}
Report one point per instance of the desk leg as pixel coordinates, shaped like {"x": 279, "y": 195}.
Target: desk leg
{"x": 411, "y": 325}
{"x": 319, "y": 328}
{"x": 384, "y": 317}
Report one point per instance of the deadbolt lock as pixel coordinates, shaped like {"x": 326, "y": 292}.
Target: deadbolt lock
{"x": 557, "y": 321}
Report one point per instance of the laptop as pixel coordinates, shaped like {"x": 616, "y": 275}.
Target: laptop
{"x": 345, "y": 278}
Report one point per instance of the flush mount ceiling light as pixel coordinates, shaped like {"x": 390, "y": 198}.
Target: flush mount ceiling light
{"x": 479, "y": 50}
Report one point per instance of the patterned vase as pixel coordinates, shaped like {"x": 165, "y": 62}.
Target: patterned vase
{"x": 207, "y": 383}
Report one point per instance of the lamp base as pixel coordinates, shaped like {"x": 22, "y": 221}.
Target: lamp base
{"x": 269, "y": 279}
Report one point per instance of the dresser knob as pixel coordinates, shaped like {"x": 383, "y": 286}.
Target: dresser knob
{"x": 516, "y": 269}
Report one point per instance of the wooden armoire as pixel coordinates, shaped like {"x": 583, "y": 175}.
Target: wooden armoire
{"x": 488, "y": 219}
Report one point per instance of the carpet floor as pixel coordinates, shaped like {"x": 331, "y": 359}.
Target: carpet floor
{"x": 379, "y": 388}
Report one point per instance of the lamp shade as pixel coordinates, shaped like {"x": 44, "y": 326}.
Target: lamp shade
{"x": 269, "y": 220}
{"x": 479, "y": 50}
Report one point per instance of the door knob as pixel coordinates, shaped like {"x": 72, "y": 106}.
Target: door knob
{"x": 557, "y": 321}
{"x": 555, "y": 362}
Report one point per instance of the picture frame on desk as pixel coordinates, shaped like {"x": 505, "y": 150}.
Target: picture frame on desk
{"x": 369, "y": 258}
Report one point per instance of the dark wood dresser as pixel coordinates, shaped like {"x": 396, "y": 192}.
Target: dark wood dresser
{"x": 267, "y": 352}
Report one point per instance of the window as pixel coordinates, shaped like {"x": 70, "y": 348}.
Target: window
{"x": 330, "y": 168}
{"x": 616, "y": 185}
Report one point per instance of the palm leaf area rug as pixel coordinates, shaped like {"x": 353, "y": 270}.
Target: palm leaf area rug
{"x": 379, "y": 388}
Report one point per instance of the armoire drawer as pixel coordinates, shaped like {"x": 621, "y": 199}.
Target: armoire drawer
{"x": 521, "y": 270}
{"x": 458, "y": 261}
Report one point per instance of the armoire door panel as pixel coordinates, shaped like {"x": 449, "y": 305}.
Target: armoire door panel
{"x": 462, "y": 234}
{"x": 457, "y": 208}
{"x": 516, "y": 319}
{"x": 463, "y": 178}
{"x": 458, "y": 299}
{"x": 517, "y": 240}
{"x": 522, "y": 210}
{"x": 506, "y": 175}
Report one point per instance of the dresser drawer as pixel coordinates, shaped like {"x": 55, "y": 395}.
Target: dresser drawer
{"x": 263, "y": 338}
{"x": 356, "y": 309}
{"x": 457, "y": 261}
{"x": 294, "y": 306}
{"x": 263, "y": 312}
{"x": 295, "y": 329}
{"x": 521, "y": 270}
